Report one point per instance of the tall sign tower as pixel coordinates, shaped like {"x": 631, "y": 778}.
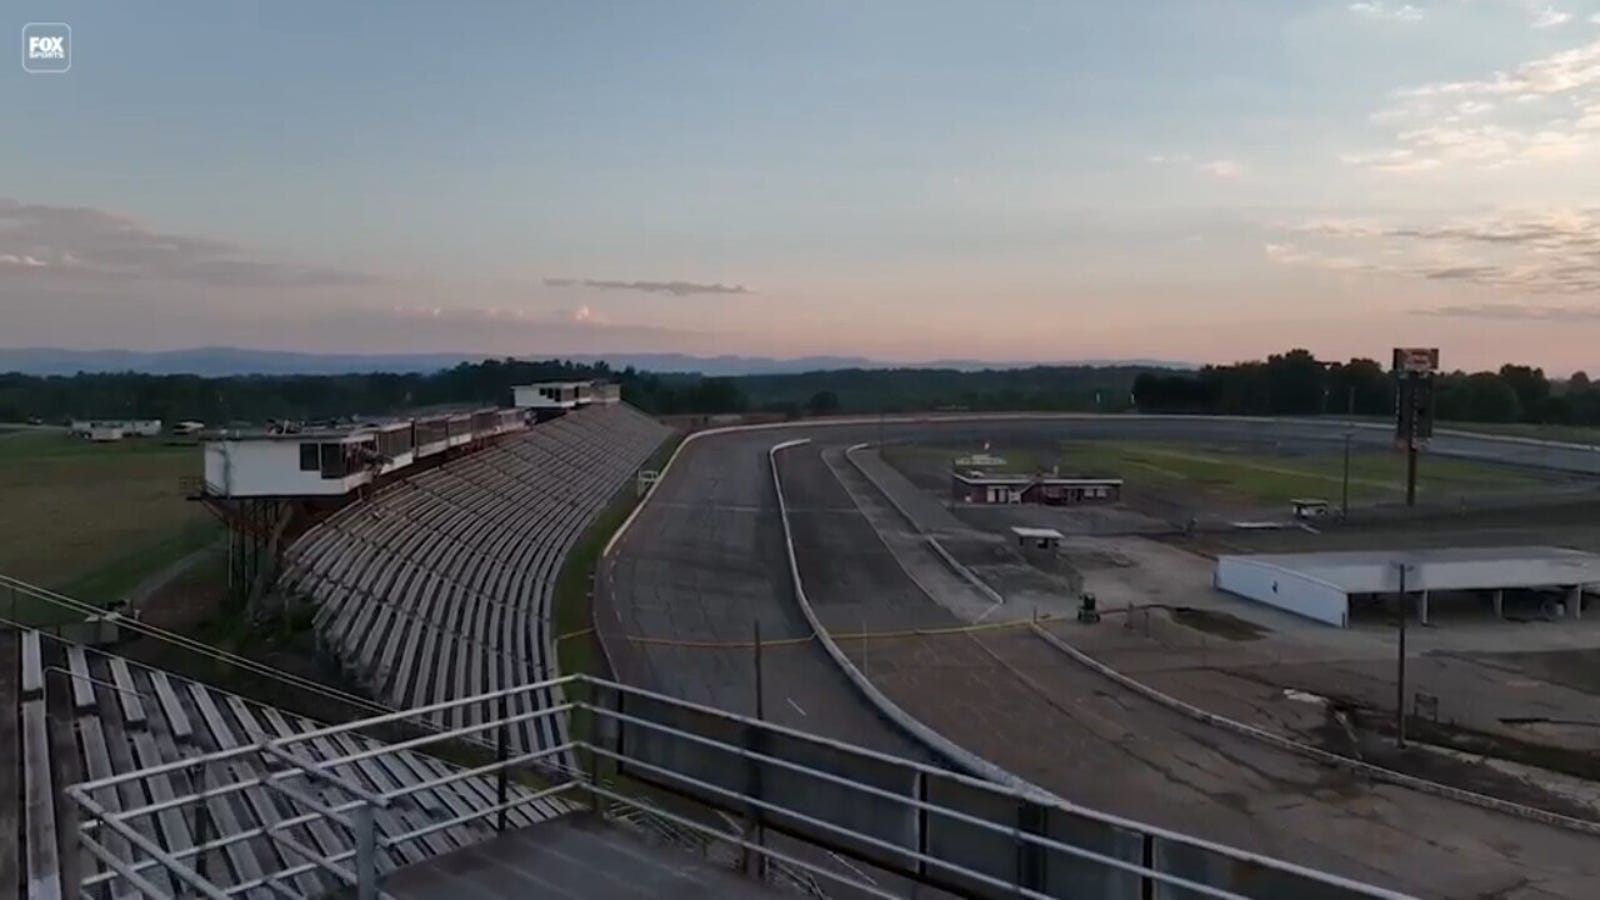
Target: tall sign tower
{"x": 1414, "y": 368}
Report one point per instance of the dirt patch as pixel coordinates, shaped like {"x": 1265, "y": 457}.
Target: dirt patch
{"x": 1577, "y": 669}
{"x": 1221, "y": 624}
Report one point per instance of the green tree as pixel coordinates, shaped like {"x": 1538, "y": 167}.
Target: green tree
{"x": 1531, "y": 386}
{"x": 1490, "y": 398}
{"x": 823, "y": 403}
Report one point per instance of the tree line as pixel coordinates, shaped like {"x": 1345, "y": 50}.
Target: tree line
{"x": 261, "y": 398}
{"x": 1292, "y": 383}
{"x": 1297, "y": 383}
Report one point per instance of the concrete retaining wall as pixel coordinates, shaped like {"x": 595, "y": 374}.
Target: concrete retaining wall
{"x": 938, "y": 743}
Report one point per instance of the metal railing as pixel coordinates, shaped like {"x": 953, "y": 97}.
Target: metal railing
{"x": 921, "y": 822}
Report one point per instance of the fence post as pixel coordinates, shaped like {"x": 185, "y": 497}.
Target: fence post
{"x": 500, "y": 757}
{"x": 202, "y": 818}
{"x": 920, "y": 788}
{"x": 366, "y": 854}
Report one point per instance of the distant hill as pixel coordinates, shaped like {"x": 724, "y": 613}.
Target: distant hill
{"x": 216, "y": 361}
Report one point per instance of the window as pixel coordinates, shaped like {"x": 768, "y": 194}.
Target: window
{"x": 333, "y": 465}
{"x": 310, "y": 461}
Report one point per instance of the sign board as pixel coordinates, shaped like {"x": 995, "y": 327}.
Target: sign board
{"x": 1413, "y": 400}
{"x": 980, "y": 461}
{"x": 1416, "y": 359}
{"x": 1414, "y": 368}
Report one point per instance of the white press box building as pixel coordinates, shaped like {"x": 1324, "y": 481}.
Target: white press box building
{"x": 1322, "y": 586}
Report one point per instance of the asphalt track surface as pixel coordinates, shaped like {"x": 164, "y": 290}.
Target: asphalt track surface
{"x": 704, "y": 560}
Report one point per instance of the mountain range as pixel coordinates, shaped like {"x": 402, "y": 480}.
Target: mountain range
{"x": 219, "y": 361}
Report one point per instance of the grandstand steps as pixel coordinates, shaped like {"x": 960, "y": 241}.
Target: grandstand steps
{"x": 576, "y": 858}
{"x": 441, "y": 585}
{"x": 70, "y": 714}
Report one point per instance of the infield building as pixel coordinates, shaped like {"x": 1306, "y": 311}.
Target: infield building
{"x": 1554, "y": 582}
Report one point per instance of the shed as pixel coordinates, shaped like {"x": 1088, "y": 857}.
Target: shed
{"x": 1037, "y": 538}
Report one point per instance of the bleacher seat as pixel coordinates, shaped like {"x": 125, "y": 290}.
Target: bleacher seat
{"x": 118, "y": 716}
{"x": 441, "y": 584}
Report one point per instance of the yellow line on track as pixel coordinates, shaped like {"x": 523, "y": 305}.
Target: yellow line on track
{"x": 838, "y": 635}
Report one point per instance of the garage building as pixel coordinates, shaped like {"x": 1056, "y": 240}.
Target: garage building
{"x": 1322, "y": 586}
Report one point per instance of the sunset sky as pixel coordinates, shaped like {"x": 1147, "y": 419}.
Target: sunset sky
{"x": 1199, "y": 180}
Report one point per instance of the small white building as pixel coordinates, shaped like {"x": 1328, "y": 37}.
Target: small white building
{"x": 122, "y": 427}
{"x": 292, "y": 465}
{"x": 565, "y": 394}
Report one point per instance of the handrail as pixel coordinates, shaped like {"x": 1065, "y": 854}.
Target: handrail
{"x": 358, "y": 867}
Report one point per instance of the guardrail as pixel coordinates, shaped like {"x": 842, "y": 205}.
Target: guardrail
{"x": 941, "y": 828}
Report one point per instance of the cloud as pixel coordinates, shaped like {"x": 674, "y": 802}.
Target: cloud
{"x": 1507, "y": 118}
{"x": 1550, "y": 17}
{"x": 587, "y": 316}
{"x": 61, "y": 242}
{"x": 1223, "y": 168}
{"x": 1540, "y": 12}
{"x": 506, "y": 319}
{"x": 1559, "y": 72}
{"x": 1551, "y": 251}
{"x": 1294, "y": 254}
{"x": 675, "y": 288}
{"x": 1385, "y": 12}
{"x": 1516, "y": 312}
{"x": 1226, "y": 169}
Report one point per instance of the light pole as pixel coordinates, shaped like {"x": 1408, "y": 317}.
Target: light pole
{"x": 1344, "y": 496}
{"x": 1349, "y": 432}
{"x": 1400, "y": 664}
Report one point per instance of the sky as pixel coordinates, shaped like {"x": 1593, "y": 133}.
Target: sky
{"x": 1195, "y": 180}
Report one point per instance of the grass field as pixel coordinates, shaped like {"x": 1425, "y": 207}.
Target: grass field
{"x": 1577, "y": 434}
{"x": 92, "y": 520}
{"x": 578, "y": 649}
{"x": 1232, "y": 473}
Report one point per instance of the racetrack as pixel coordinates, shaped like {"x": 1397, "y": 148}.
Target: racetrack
{"x": 704, "y": 559}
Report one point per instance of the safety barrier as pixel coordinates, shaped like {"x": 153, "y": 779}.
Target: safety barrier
{"x": 938, "y": 743}
{"x": 937, "y": 827}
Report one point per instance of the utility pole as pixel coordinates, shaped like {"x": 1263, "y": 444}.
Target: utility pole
{"x": 1349, "y": 432}
{"x": 1400, "y": 664}
{"x": 1344, "y": 497}
{"x": 1411, "y": 442}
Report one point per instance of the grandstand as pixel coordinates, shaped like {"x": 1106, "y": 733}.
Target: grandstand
{"x": 440, "y": 585}
{"x": 83, "y": 715}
